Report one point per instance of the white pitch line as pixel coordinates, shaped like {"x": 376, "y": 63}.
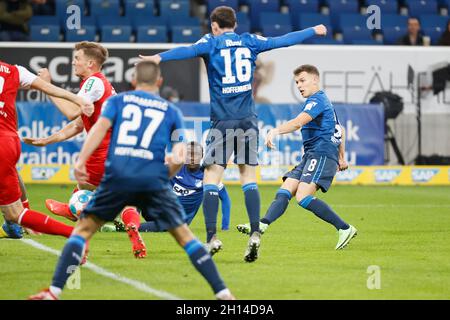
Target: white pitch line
{"x": 391, "y": 205}
{"x": 108, "y": 274}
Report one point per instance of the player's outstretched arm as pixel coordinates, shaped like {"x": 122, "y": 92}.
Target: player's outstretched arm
{"x": 287, "y": 127}
{"x": 181, "y": 53}
{"x": 67, "y": 107}
{"x": 93, "y": 140}
{"x": 343, "y": 165}
{"x": 69, "y": 131}
{"x": 291, "y": 38}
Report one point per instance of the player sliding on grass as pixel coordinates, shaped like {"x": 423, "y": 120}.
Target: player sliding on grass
{"x": 324, "y": 144}
{"x": 12, "y": 78}
{"x": 230, "y": 61}
{"x": 135, "y": 174}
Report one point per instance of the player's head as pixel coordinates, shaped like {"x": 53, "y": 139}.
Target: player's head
{"x": 147, "y": 74}
{"x": 222, "y": 18}
{"x": 88, "y": 58}
{"x": 307, "y": 80}
{"x": 194, "y": 155}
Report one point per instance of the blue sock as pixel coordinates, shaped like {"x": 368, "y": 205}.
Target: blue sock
{"x": 278, "y": 206}
{"x": 69, "y": 260}
{"x": 323, "y": 211}
{"x": 253, "y": 205}
{"x": 150, "y": 226}
{"x": 202, "y": 261}
{"x": 210, "y": 209}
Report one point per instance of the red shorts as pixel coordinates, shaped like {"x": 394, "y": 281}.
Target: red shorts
{"x": 95, "y": 167}
{"x": 9, "y": 178}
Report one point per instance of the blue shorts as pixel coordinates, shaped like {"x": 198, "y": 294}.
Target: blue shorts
{"x": 161, "y": 205}
{"x": 315, "y": 168}
{"x": 227, "y": 137}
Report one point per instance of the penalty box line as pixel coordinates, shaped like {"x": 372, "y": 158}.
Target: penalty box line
{"x": 140, "y": 286}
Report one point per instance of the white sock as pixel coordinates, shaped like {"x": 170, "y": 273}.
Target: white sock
{"x": 223, "y": 293}
{"x": 55, "y": 291}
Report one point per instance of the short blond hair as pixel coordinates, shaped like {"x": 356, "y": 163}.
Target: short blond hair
{"x": 93, "y": 50}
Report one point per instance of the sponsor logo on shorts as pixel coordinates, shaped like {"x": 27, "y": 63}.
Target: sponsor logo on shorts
{"x": 43, "y": 173}
{"x": 386, "y": 175}
{"x": 423, "y": 175}
{"x": 181, "y": 191}
{"x": 348, "y": 175}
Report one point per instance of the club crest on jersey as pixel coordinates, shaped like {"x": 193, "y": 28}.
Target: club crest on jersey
{"x": 181, "y": 191}
{"x": 198, "y": 183}
{"x": 89, "y": 85}
{"x": 310, "y": 105}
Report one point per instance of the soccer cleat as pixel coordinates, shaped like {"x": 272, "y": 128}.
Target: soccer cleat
{"x": 43, "y": 295}
{"x": 139, "y": 249}
{"x": 11, "y": 230}
{"x": 120, "y": 226}
{"x": 214, "y": 246}
{"x": 245, "y": 228}
{"x": 251, "y": 253}
{"x": 225, "y": 294}
{"x": 60, "y": 209}
{"x": 345, "y": 236}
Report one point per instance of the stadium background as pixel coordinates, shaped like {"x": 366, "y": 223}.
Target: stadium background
{"x": 403, "y": 230}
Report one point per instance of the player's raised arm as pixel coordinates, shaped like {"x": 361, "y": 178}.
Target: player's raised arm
{"x": 287, "y": 127}
{"x": 289, "y": 39}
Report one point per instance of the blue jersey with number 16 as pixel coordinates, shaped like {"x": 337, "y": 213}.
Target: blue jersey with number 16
{"x": 143, "y": 124}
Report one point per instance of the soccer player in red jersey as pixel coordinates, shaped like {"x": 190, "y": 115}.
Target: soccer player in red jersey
{"x": 87, "y": 63}
{"x": 12, "y": 78}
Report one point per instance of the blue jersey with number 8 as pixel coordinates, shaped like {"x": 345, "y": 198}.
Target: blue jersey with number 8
{"x": 143, "y": 125}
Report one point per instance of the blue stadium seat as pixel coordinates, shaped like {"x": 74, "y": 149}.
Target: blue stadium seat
{"x": 186, "y": 34}
{"x": 243, "y": 23}
{"x": 275, "y": 24}
{"x": 104, "y": 7}
{"x": 444, "y": 3}
{"x": 115, "y": 33}
{"x": 183, "y": 21}
{"x": 217, "y": 3}
{"x": 45, "y": 33}
{"x": 113, "y": 20}
{"x": 259, "y": 6}
{"x": 152, "y": 34}
{"x": 338, "y": 7}
{"x": 86, "y": 33}
{"x": 134, "y": 8}
{"x": 177, "y": 8}
{"x": 419, "y": 7}
{"x": 307, "y": 20}
{"x": 386, "y": 6}
{"x": 44, "y": 21}
{"x": 62, "y": 5}
{"x": 433, "y": 26}
{"x": 153, "y": 21}
{"x": 394, "y": 26}
{"x": 296, "y": 7}
{"x": 352, "y": 33}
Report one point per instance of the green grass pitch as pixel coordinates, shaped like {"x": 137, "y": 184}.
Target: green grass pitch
{"x": 403, "y": 231}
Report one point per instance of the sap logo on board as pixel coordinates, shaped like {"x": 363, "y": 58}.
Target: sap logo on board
{"x": 386, "y": 175}
{"x": 348, "y": 175}
{"x": 423, "y": 175}
{"x": 43, "y": 173}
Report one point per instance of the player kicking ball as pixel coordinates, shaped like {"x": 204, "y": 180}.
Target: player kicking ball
{"x": 135, "y": 174}
{"x": 324, "y": 145}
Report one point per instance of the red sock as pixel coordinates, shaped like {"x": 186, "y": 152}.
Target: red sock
{"x": 44, "y": 224}
{"x": 130, "y": 215}
{"x": 26, "y": 204}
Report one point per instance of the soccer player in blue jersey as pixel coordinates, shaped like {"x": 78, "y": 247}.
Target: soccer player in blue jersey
{"x": 324, "y": 145}
{"x": 143, "y": 125}
{"x": 187, "y": 184}
{"x": 230, "y": 62}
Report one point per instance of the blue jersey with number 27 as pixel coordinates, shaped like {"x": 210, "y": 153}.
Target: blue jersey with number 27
{"x": 142, "y": 127}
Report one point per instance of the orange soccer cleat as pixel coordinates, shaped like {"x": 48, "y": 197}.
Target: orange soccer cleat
{"x": 43, "y": 295}
{"x": 139, "y": 249}
{"x": 60, "y": 209}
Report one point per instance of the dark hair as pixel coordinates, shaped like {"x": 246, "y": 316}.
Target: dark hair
{"x": 224, "y": 16}
{"x": 308, "y": 69}
{"x": 147, "y": 72}
{"x": 93, "y": 50}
